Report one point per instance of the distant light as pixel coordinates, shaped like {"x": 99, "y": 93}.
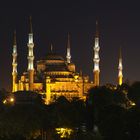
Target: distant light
{"x": 133, "y": 104}
{"x": 9, "y": 100}
{"x": 64, "y": 132}
{"x": 12, "y": 100}
{"x": 4, "y": 101}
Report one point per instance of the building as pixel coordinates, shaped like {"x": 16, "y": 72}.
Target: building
{"x": 96, "y": 59}
{"x": 120, "y": 69}
{"x": 54, "y": 75}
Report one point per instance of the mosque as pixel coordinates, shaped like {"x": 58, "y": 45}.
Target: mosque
{"x": 54, "y": 75}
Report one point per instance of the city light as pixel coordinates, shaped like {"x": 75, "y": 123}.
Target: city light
{"x": 64, "y": 132}
{"x": 11, "y": 99}
{"x": 4, "y": 101}
{"x": 8, "y": 100}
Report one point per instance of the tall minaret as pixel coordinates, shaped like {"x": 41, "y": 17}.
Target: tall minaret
{"x": 30, "y": 57}
{"x": 120, "y": 68}
{"x": 14, "y": 64}
{"x": 68, "y": 56}
{"x": 96, "y": 59}
{"x": 51, "y": 48}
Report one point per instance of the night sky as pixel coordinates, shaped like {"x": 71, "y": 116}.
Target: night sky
{"x": 119, "y": 26}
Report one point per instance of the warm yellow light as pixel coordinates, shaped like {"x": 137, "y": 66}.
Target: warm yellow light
{"x": 76, "y": 77}
{"x": 64, "y": 132}
{"x": 4, "y": 102}
{"x": 8, "y": 100}
{"x": 120, "y": 80}
{"x": 11, "y": 99}
{"x": 133, "y": 104}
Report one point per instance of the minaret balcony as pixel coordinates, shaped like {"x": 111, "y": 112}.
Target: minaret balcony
{"x": 30, "y": 45}
{"x": 96, "y": 60}
{"x": 96, "y": 48}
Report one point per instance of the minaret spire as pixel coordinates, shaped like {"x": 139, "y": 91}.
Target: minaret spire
{"x": 96, "y": 59}
{"x": 30, "y": 56}
{"x": 97, "y": 30}
{"x": 15, "y": 40}
{"x": 120, "y": 68}
{"x": 31, "y": 28}
{"x": 14, "y": 64}
{"x": 51, "y": 48}
{"x": 68, "y": 56}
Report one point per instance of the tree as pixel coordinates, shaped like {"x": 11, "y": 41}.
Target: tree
{"x": 107, "y": 111}
{"x": 23, "y": 120}
{"x": 111, "y": 122}
{"x": 132, "y": 124}
{"x": 134, "y": 93}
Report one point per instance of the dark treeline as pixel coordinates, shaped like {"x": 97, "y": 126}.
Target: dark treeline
{"x": 114, "y": 114}
{"x": 108, "y": 113}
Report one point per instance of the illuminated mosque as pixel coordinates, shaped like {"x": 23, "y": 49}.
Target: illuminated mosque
{"x": 54, "y": 75}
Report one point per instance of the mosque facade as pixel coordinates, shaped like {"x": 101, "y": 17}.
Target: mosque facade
{"x": 55, "y": 76}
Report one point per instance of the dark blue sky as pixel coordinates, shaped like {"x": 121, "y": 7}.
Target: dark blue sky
{"x": 119, "y": 25}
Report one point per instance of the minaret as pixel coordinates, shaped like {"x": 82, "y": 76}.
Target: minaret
{"x": 51, "y": 48}
{"x": 30, "y": 57}
{"x": 96, "y": 59}
{"x": 120, "y": 68}
{"x": 68, "y": 56}
{"x": 14, "y": 64}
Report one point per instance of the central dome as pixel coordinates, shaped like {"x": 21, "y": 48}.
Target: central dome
{"x": 54, "y": 56}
